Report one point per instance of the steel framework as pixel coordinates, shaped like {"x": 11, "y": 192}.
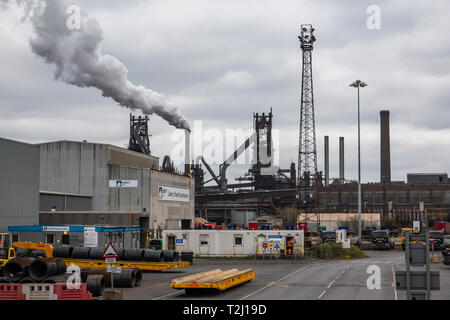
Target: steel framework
{"x": 307, "y": 153}
{"x": 307, "y": 175}
{"x": 139, "y": 136}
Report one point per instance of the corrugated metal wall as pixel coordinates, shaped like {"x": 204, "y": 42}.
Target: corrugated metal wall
{"x": 19, "y": 184}
{"x": 85, "y": 169}
{"x": 126, "y": 199}
{"x": 163, "y": 211}
{"x": 63, "y": 202}
{"x": 75, "y": 167}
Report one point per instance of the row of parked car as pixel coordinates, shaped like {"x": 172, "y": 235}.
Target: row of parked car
{"x": 382, "y": 239}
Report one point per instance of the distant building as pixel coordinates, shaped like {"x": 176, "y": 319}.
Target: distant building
{"x": 427, "y": 178}
{"x": 396, "y": 199}
{"x": 333, "y": 221}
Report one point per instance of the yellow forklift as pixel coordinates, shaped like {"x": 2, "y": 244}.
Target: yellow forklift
{"x": 6, "y": 252}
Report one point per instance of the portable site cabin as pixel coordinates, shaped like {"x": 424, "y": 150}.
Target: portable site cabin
{"x": 232, "y": 242}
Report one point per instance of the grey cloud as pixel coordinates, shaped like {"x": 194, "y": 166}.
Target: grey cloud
{"x": 187, "y": 53}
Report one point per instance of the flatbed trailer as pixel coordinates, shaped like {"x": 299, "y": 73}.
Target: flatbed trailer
{"x": 142, "y": 265}
{"x": 215, "y": 279}
{"x": 95, "y": 263}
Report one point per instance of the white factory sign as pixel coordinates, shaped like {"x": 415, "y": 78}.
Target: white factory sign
{"x": 173, "y": 194}
{"x": 90, "y": 237}
{"x": 123, "y": 183}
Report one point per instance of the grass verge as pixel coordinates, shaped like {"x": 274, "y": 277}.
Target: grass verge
{"x": 336, "y": 251}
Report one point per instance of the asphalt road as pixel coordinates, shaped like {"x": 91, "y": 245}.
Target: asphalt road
{"x": 304, "y": 280}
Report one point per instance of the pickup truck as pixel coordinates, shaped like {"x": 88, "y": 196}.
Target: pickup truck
{"x": 329, "y": 237}
{"x": 381, "y": 240}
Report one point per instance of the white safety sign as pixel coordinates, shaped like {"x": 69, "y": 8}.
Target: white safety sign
{"x": 90, "y": 237}
{"x": 113, "y": 269}
{"x": 346, "y": 244}
{"x": 341, "y": 235}
{"x": 416, "y": 226}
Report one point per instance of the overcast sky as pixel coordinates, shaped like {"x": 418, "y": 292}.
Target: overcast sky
{"x": 220, "y": 61}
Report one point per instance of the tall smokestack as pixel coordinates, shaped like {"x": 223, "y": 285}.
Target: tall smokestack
{"x": 385, "y": 161}
{"x": 341, "y": 159}
{"x": 327, "y": 161}
{"x": 187, "y": 151}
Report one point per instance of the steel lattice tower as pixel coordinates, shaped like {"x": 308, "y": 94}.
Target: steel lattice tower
{"x": 307, "y": 174}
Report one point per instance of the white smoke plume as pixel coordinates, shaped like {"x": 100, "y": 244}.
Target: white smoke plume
{"x": 79, "y": 61}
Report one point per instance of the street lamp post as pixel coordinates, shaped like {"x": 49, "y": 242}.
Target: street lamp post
{"x": 357, "y": 84}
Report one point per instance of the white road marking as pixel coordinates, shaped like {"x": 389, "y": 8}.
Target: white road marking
{"x": 332, "y": 282}
{"x": 322, "y": 294}
{"x": 274, "y": 282}
{"x": 167, "y": 295}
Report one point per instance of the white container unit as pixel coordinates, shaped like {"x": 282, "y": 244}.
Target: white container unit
{"x": 230, "y": 242}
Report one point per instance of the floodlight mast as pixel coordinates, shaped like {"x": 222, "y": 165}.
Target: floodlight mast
{"x": 359, "y": 84}
{"x": 307, "y": 174}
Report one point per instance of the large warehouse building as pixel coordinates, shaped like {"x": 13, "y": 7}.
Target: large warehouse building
{"x": 92, "y": 183}
{"x": 19, "y": 183}
{"x": 80, "y": 172}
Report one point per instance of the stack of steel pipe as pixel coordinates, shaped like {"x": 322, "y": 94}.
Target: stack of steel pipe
{"x": 62, "y": 251}
{"x": 170, "y": 255}
{"x": 127, "y": 278}
{"x": 133, "y": 255}
{"x": 32, "y": 270}
{"x": 18, "y": 267}
{"x": 96, "y": 253}
{"x": 80, "y": 252}
{"x": 153, "y": 255}
{"x": 95, "y": 284}
{"x": 54, "y": 271}
{"x": 42, "y": 268}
